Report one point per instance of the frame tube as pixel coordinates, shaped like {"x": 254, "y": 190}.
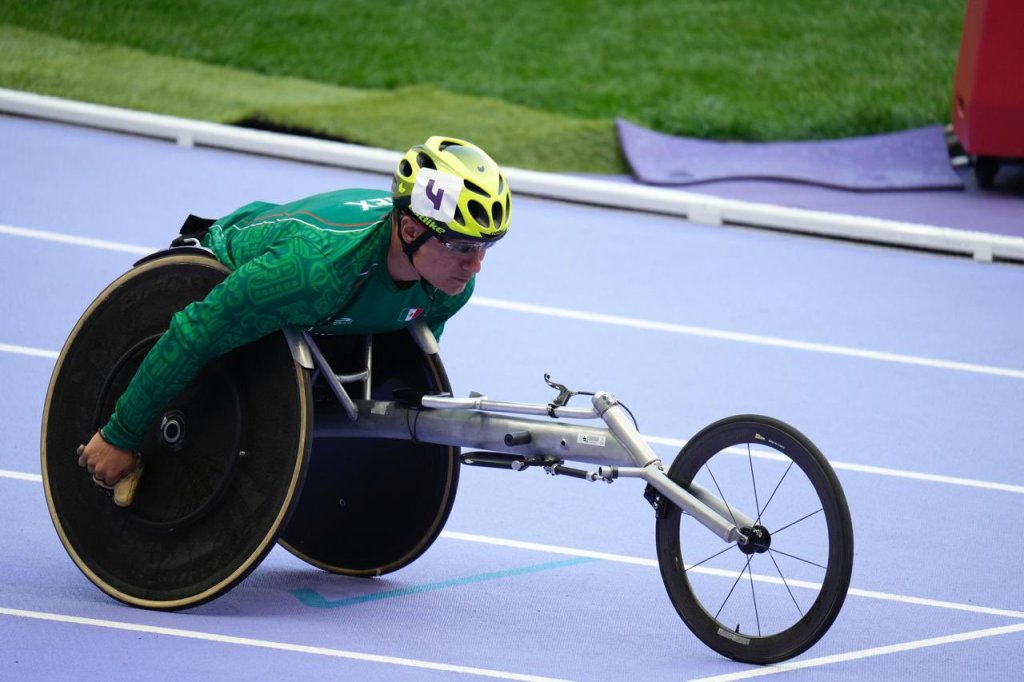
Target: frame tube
{"x": 472, "y": 429}
{"x": 485, "y": 431}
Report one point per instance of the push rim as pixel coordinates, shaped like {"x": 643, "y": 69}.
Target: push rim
{"x": 149, "y": 555}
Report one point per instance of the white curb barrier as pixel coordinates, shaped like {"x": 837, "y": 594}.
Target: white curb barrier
{"x": 697, "y": 208}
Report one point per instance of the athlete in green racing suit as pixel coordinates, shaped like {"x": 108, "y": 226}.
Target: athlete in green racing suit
{"x": 350, "y": 261}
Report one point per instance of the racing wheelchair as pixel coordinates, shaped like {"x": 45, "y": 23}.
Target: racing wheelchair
{"x": 346, "y": 451}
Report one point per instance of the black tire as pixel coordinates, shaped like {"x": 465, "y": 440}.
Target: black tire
{"x": 801, "y": 567}
{"x": 211, "y": 504}
{"x": 371, "y": 506}
{"x": 985, "y": 170}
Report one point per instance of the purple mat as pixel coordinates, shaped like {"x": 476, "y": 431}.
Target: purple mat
{"x": 912, "y": 159}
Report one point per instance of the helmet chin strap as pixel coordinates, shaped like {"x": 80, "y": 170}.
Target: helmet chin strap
{"x": 410, "y": 248}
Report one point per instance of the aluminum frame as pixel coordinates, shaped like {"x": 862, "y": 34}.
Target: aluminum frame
{"x": 619, "y": 449}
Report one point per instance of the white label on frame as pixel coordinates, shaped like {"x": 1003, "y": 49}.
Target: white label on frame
{"x": 436, "y": 194}
{"x": 586, "y": 439}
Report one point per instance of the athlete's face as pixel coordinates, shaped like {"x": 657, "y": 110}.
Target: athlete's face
{"x": 443, "y": 265}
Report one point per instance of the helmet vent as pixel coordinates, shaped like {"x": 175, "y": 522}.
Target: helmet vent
{"x": 496, "y": 213}
{"x": 447, "y": 143}
{"x": 425, "y": 161}
{"x": 479, "y": 213}
{"x": 405, "y": 168}
{"x": 475, "y": 188}
{"x": 458, "y": 217}
{"x": 501, "y": 184}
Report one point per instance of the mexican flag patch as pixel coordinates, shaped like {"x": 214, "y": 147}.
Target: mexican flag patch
{"x": 410, "y": 314}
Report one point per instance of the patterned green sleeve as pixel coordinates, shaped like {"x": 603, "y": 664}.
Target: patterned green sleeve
{"x": 291, "y": 284}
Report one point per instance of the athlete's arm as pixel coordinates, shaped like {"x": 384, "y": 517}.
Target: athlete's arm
{"x": 290, "y": 284}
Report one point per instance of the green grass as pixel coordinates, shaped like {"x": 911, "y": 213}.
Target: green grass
{"x": 537, "y": 83}
{"x": 118, "y": 76}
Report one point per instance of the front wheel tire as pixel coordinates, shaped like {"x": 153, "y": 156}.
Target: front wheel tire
{"x": 773, "y": 598}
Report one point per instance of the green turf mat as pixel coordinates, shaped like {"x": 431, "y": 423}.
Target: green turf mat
{"x": 391, "y": 119}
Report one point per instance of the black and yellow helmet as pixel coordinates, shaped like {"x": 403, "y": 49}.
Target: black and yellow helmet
{"x": 454, "y": 188}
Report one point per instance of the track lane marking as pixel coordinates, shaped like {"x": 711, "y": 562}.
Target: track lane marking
{"x": 617, "y": 320}
{"x": 863, "y": 653}
{"x": 28, "y": 350}
{"x": 314, "y": 599}
{"x": 653, "y": 563}
{"x": 755, "y": 339}
{"x": 837, "y": 465}
{"x": 21, "y": 476}
{"x": 865, "y": 468}
{"x": 63, "y": 238}
{"x": 268, "y": 644}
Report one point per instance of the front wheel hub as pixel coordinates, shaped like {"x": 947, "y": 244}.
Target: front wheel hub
{"x": 759, "y": 540}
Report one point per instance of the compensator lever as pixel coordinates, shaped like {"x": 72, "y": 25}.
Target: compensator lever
{"x": 564, "y": 394}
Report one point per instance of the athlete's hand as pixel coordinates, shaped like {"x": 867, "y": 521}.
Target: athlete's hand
{"x": 106, "y": 463}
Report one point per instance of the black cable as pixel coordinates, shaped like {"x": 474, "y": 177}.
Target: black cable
{"x": 628, "y": 411}
{"x": 552, "y": 407}
{"x": 412, "y": 427}
{"x": 635, "y": 425}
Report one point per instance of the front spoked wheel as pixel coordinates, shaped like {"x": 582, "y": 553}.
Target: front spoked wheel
{"x": 773, "y": 597}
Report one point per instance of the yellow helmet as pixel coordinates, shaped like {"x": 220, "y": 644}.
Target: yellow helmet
{"x": 454, "y": 188}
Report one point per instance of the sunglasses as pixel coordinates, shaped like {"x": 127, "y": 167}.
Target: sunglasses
{"x": 462, "y": 247}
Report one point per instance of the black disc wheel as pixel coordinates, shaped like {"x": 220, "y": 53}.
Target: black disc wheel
{"x": 371, "y": 506}
{"x": 224, "y": 461}
{"x": 772, "y": 597}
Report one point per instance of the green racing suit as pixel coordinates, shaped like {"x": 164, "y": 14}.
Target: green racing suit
{"x": 318, "y": 264}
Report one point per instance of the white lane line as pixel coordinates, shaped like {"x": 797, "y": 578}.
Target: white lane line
{"x": 932, "y": 478}
{"x": 26, "y": 350}
{"x": 653, "y": 563}
{"x": 636, "y": 323}
{"x": 279, "y": 646}
{"x": 550, "y": 549}
{"x": 863, "y": 653}
{"x": 867, "y": 469}
{"x": 618, "y": 320}
{"x": 73, "y": 239}
{"x": 677, "y": 443}
{"x": 21, "y": 476}
{"x": 935, "y": 603}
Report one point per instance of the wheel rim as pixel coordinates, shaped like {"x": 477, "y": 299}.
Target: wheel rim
{"x": 774, "y": 597}
{"x": 200, "y": 521}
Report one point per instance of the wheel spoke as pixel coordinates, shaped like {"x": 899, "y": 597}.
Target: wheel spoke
{"x": 793, "y": 556}
{"x": 753, "y": 596}
{"x": 721, "y": 494}
{"x": 794, "y": 495}
{"x": 791, "y": 595}
{"x": 685, "y": 569}
{"x": 753, "y": 483}
{"x": 790, "y": 525}
{"x": 731, "y": 589}
{"x": 772, "y": 496}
